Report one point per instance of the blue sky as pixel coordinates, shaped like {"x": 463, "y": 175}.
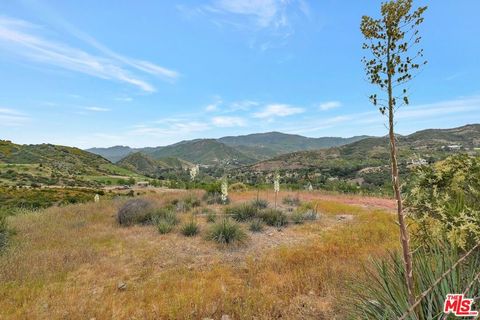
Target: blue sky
{"x": 148, "y": 73}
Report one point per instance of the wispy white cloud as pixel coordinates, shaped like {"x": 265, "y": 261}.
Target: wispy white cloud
{"x": 243, "y": 105}
{"x": 214, "y": 106}
{"x": 24, "y": 39}
{"x": 329, "y": 105}
{"x": 12, "y": 118}
{"x": 277, "y": 110}
{"x": 97, "y": 109}
{"x": 268, "y": 23}
{"x": 228, "y": 122}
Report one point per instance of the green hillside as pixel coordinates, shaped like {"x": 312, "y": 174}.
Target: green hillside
{"x": 146, "y": 165}
{"x": 47, "y": 164}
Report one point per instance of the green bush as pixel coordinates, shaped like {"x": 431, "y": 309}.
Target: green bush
{"x": 260, "y": 203}
{"x": 226, "y": 232}
{"x": 273, "y": 217}
{"x": 190, "y": 228}
{"x": 256, "y": 225}
{"x": 444, "y": 200}
{"x": 242, "y": 212}
{"x": 384, "y": 294}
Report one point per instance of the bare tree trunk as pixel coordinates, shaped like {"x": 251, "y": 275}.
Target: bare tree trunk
{"x": 404, "y": 238}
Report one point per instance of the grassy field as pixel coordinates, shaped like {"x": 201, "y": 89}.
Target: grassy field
{"x": 76, "y": 262}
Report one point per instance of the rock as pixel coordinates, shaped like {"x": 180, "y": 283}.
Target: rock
{"x": 122, "y": 286}
{"x": 311, "y": 293}
{"x": 269, "y": 234}
{"x": 135, "y": 211}
{"x": 226, "y": 317}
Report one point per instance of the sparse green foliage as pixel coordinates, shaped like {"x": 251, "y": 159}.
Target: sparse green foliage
{"x": 164, "y": 214}
{"x": 242, "y": 212}
{"x": 298, "y": 217}
{"x": 163, "y": 226}
{"x": 190, "y": 228}
{"x": 444, "y": 201}
{"x": 256, "y": 225}
{"x": 260, "y": 203}
{"x": 226, "y": 232}
{"x": 273, "y": 217}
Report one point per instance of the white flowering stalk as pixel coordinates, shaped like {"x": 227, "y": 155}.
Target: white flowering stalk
{"x": 276, "y": 183}
{"x": 96, "y": 198}
{"x": 224, "y": 190}
{"x": 193, "y": 172}
{"x": 276, "y": 187}
{"x": 310, "y": 187}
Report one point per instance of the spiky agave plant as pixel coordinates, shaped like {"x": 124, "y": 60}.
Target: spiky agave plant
{"x": 383, "y": 296}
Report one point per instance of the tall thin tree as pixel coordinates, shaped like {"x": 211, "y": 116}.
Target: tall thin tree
{"x": 392, "y": 41}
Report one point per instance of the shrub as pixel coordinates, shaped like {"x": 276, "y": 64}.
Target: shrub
{"x": 163, "y": 226}
{"x": 238, "y": 187}
{"x": 134, "y": 212}
{"x": 384, "y": 295}
{"x": 291, "y": 201}
{"x": 242, "y": 212}
{"x": 164, "y": 214}
{"x": 444, "y": 200}
{"x": 273, "y": 217}
{"x": 256, "y": 225}
{"x": 298, "y": 217}
{"x": 226, "y": 232}
{"x": 190, "y": 228}
{"x": 260, "y": 203}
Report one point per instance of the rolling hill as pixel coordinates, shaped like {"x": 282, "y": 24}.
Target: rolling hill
{"x": 49, "y": 164}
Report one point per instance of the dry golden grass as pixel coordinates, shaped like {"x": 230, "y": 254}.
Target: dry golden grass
{"x": 67, "y": 263}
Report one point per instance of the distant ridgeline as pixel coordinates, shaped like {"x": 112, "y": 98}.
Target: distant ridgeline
{"x": 343, "y": 164}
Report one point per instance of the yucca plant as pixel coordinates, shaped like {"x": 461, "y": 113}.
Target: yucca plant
{"x": 242, "y": 212}
{"x": 190, "y": 228}
{"x": 256, "y": 225}
{"x": 226, "y": 232}
{"x": 384, "y": 295}
{"x": 274, "y": 218}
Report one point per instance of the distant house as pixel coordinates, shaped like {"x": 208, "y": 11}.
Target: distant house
{"x": 453, "y": 147}
{"x": 143, "y": 184}
{"x": 418, "y": 162}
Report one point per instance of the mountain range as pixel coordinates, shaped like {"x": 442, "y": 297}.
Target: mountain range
{"x": 231, "y": 150}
